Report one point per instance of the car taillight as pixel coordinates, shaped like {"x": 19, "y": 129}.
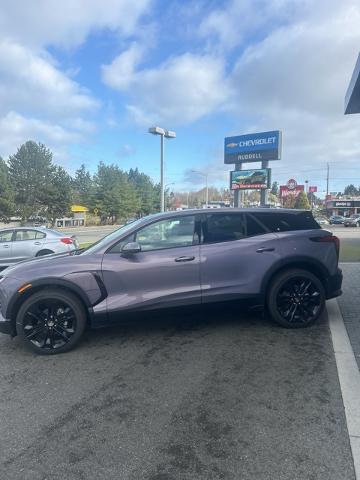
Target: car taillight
{"x": 66, "y": 240}
{"x": 329, "y": 239}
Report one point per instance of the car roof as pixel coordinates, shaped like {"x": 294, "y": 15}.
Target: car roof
{"x": 38, "y": 229}
{"x": 276, "y": 211}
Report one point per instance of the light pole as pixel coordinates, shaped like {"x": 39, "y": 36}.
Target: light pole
{"x": 206, "y": 184}
{"x": 165, "y": 187}
{"x": 168, "y": 134}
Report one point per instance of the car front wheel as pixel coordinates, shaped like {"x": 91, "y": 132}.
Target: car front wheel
{"x": 51, "y": 321}
{"x": 296, "y": 298}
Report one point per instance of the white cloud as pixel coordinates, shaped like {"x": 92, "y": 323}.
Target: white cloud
{"x": 295, "y": 80}
{"x": 120, "y": 73}
{"x": 67, "y": 22}
{"x": 37, "y": 99}
{"x": 31, "y": 82}
{"x": 181, "y": 90}
{"x": 16, "y": 129}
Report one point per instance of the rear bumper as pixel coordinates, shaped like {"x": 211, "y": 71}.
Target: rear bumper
{"x": 333, "y": 285}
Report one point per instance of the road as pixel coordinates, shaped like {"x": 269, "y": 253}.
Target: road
{"x": 197, "y": 395}
{"x": 92, "y": 234}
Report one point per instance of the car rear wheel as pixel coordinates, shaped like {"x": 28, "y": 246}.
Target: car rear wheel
{"x": 296, "y": 298}
{"x": 51, "y": 321}
{"x": 44, "y": 252}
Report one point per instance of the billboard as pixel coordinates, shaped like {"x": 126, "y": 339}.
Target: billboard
{"x": 313, "y": 189}
{"x": 254, "y": 147}
{"x": 250, "y": 179}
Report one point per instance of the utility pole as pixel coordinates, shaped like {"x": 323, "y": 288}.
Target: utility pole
{"x": 327, "y": 180}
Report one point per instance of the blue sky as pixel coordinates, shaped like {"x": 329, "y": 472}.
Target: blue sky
{"x": 88, "y": 78}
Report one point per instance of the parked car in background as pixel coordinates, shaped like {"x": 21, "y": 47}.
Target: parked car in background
{"x": 322, "y": 220}
{"x": 21, "y": 243}
{"x": 352, "y": 221}
{"x": 278, "y": 259}
{"x": 336, "y": 220}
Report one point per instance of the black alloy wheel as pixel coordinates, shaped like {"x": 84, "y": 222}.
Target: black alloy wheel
{"x": 296, "y": 299}
{"x": 51, "y": 321}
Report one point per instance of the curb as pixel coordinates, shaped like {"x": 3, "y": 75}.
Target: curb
{"x": 349, "y": 378}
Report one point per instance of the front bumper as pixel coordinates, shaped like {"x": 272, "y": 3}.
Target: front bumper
{"x": 6, "y": 326}
{"x": 333, "y": 285}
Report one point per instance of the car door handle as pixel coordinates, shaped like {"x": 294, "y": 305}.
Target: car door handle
{"x": 6, "y": 246}
{"x": 265, "y": 249}
{"x": 37, "y": 243}
{"x": 184, "y": 259}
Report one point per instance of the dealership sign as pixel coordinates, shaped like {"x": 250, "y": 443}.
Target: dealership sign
{"x": 250, "y": 179}
{"x": 254, "y": 147}
{"x": 312, "y": 189}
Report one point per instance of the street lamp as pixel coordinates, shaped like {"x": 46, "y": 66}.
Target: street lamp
{"x": 168, "y": 134}
{"x": 206, "y": 184}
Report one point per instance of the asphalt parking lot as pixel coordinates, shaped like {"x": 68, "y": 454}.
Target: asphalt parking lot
{"x": 220, "y": 394}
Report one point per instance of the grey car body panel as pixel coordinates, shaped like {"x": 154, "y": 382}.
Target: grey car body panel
{"x": 152, "y": 279}
{"x": 235, "y": 269}
{"x": 109, "y": 283}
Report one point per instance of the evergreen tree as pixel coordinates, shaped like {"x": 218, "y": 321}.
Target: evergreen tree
{"x": 351, "y": 190}
{"x": 6, "y": 193}
{"x": 83, "y": 188}
{"x": 115, "y": 197}
{"x": 275, "y": 188}
{"x": 30, "y": 172}
{"x": 302, "y": 202}
{"x": 59, "y": 196}
{"x": 146, "y": 191}
{"x": 290, "y": 201}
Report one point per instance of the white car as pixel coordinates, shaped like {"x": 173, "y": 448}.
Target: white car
{"x": 21, "y": 243}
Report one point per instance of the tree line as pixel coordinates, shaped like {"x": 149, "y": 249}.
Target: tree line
{"x": 33, "y": 186}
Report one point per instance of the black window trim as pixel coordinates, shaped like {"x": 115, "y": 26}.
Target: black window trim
{"x": 174, "y": 217}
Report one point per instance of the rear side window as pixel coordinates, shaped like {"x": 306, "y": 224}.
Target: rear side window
{"x": 22, "y": 235}
{"x": 254, "y": 227}
{"x": 284, "y": 222}
{"x": 224, "y": 227}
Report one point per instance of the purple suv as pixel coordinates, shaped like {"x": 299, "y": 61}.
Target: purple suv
{"x": 279, "y": 259}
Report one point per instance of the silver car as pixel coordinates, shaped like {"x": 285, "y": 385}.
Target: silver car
{"x": 21, "y": 243}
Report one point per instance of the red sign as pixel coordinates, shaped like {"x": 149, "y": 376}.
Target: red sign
{"x": 291, "y": 184}
{"x": 312, "y": 189}
{"x": 285, "y": 191}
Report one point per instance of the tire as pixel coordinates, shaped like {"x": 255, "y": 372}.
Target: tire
{"x": 296, "y": 298}
{"x": 51, "y": 321}
{"x": 41, "y": 253}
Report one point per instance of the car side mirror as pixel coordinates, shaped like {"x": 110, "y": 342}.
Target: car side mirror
{"x": 131, "y": 247}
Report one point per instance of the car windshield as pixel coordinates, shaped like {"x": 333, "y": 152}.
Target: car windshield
{"x": 112, "y": 236}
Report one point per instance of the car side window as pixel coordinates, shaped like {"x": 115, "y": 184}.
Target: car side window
{"x": 6, "y": 236}
{"x": 169, "y": 233}
{"x": 40, "y": 235}
{"x": 22, "y": 235}
{"x": 254, "y": 227}
{"x": 224, "y": 227}
{"x": 117, "y": 247}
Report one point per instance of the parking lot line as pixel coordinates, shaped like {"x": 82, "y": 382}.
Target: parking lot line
{"x": 349, "y": 378}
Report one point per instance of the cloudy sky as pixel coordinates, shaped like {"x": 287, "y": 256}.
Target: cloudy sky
{"x": 88, "y": 77}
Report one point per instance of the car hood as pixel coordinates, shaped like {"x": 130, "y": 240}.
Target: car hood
{"x": 53, "y": 266}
